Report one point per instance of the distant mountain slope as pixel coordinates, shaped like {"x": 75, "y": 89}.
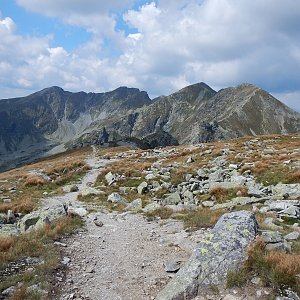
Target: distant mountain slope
{"x": 54, "y": 119}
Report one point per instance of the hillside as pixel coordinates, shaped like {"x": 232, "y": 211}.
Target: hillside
{"x": 53, "y": 120}
{"x": 127, "y": 223}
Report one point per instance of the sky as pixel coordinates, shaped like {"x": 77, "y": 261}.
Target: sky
{"x": 156, "y": 46}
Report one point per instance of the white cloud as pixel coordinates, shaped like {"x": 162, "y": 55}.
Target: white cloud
{"x": 173, "y": 43}
{"x": 94, "y": 15}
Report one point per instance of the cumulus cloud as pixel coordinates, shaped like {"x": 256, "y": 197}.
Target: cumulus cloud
{"x": 171, "y": 44}
{"x": 94, "y": 15}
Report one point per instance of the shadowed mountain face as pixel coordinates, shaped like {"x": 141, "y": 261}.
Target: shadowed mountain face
{"x": 53, "y": 120}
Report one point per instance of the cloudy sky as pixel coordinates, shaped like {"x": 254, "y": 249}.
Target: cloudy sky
{"x": 159, "y": 46}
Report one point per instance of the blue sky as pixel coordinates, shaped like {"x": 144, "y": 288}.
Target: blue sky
{"x": 157, "y": 46}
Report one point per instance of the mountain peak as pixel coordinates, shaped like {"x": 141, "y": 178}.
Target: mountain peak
{"x": 196, "y": 88}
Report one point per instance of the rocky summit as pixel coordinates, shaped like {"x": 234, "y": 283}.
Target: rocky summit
{"x": 53, "y": 120}
{"x": 203, "y": 221}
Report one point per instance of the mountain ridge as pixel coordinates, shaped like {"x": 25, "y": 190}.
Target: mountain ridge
{"x": 56, "y": 120}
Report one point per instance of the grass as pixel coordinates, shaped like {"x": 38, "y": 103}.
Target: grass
{"x": 221, "y": 195}
{"x": 38, "y": 243}
{"x": 277, "y": 270}
{"x": 236, "y": 278}
{"x": 201, "y": 218}
{"x": 162, "y": 213}
{"x": 30, "y": 188}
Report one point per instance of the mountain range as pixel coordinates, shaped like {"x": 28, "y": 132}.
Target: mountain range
{"x": 54, "y": 120}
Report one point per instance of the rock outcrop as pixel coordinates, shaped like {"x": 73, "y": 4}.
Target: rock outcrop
{"x": 223, "y": 250}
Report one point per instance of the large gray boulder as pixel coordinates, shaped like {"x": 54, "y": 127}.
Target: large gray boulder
{"x": 224, "y": 249}
{"x": 37, "y": 218}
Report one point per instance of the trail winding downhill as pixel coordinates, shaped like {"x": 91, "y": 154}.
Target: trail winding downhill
{"x": 124, "y": 258}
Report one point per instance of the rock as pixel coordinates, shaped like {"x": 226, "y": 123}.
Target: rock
{"x": 202, "y": 174}
{"x": 291, "y": 212}
{"x": 151, "y": 207}
{"x": 190, "y": 160}
{"x": 238, "y": 201}
{"x": 70, "y": 188}
{"x": 172, "y": 199}
{"x": 292, "y": 236}
{"x": 225, "y": 185}
{"x": 254, "y": 192}
{"x": 270, "y": 222}
{"x": 90, "y": 269}
{"x": 80, "y": 211}
{"x": 150, "y": 176}
{"x": 208, "y": 203}
{"x": 224, "y": 249}
{"x": 172, "y": 266}
{"x": 8, "y": 230}
{"x": 88, "y": 191}
{"x": 135, "y": 205}
{"x": 231, "y": 297}
{"x": 281, "y": 246}
{"x": 98, "y": 223}
{"x": 2, "y": 218}
{"x": 233, "y": 167}
{"x": 189, "y": 196}
{"x": 6, "y": 200}
{"x": 11, "y": 219}
{"x": 293, "y": 190}
{"x": 116, "y": 198}
{"x": 142, "y": 188}
{"x": 272, "y": 237}
{"x": 65, "y": 260}
{"x": 60, "y": 244}
{"x": 256, "y": 280}
{"x": 239, "y": 180}
{"x": 36, "y": 218}
{"x": 9, "y": 291}
{"x": 280, "y": 205}
{"x": 110, "y": 178}
{"x": 188, "y": 177}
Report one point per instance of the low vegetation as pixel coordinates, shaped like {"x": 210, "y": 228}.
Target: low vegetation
{"x": 276, "y": 269}
{"x": 37, "y": 244}
{"x": 201, "y": 218}
{"x": 25, "y": 186}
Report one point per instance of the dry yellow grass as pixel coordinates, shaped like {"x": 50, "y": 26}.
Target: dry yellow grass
{"x": 6, "y": 243}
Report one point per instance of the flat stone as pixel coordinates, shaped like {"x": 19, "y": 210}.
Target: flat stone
{"x": 238, "y": 201}
{"x": 292, "y": 236}
{"x": 172, "y": 266}
{"x": 135, "y": 205}
{"x": 151, "y": 207}
{"x": 208, "y": 203}
{"x": 292, "y": 212}
{"x": 173, "y": 198}
{"x": 9, "y": 291}
{"x": 70, "y": 188}
{"x": 80, "y": 211}
{"x": 98, "y": 223}
{"x": 60, "y": 244}
{"x": 116, "y": 198}
{"x": 272, "y": 236}
{"x": 110, "y": 178}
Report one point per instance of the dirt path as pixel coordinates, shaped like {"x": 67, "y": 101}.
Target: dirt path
{"x": 124, "y": 258}
{"x": 71, "y": 198}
